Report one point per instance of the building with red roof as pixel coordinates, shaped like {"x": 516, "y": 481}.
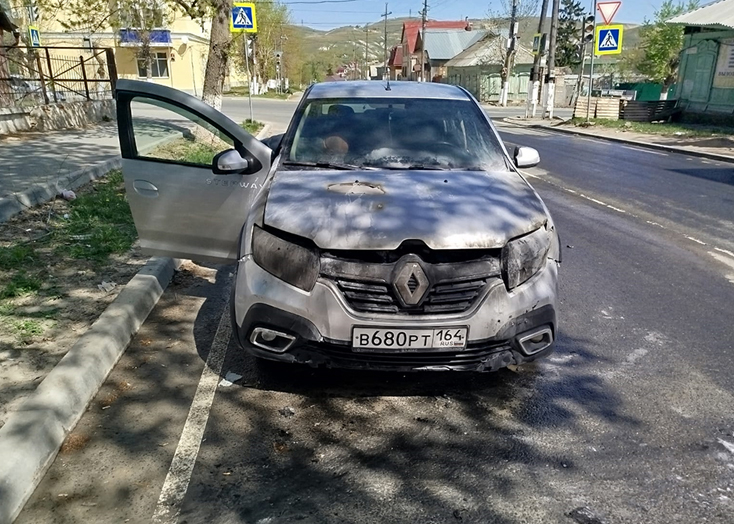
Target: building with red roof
{"x": 410, "y": 43}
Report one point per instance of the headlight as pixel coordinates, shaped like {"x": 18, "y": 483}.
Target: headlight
{"x": 297, "y": 265}
{"x": 524, "y": 257}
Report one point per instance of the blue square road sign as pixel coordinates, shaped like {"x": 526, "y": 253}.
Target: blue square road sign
{"x": 609, "y": 39}
{"x": 34, "y": 35}
{"x": 242, "y": 18}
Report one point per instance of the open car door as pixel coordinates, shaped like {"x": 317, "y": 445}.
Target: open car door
{"x": 191, "y": 174}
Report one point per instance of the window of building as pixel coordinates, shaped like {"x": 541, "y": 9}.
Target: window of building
{"x": 158, "y": 66}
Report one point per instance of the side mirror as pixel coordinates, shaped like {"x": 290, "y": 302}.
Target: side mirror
{"x": 526, "y": 157}
{"x": 229, "y": 162}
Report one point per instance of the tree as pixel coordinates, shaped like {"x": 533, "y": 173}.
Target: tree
{"x": 498, "y": 20}
{"x": 220, "y": 43}
{"x": 87, "y": 16}
{"x": 271, "y": 19}
{"x": 142, "y": 16}
{"x": 92, "y": 17}
{"x": 274, "y": 35}
{"x": 661, "y": 43}
{"x": 569, "y": 33}
{"x": 8, "y": 25}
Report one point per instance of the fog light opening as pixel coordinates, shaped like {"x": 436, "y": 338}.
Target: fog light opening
{"x": 535, "y": 341}
{"x": 271, "y": 340}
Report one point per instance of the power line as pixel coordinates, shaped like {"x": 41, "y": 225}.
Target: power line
{"x": 301, "y": 10}
{"x": 318, "y": 2}
{"x": 339, "y": 24}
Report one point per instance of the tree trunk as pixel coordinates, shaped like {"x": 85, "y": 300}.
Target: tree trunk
{"x": 664, "y": 92}
{"x": 6, "y": 92}
{"x": 218, "y": 60}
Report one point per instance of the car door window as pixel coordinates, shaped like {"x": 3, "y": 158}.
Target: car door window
{"x": 171, "y": 134}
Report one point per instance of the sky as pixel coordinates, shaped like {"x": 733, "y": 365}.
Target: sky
{"x": 328, "y": 14}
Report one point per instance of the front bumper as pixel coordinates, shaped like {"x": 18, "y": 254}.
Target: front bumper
{"x": 321, "y": 323}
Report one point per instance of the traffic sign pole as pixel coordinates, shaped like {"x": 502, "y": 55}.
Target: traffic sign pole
{"x": 591, "y": 68}
{"x": 243, "y": 19}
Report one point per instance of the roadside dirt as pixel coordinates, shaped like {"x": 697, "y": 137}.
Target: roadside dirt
{"x": 65, "y": 296}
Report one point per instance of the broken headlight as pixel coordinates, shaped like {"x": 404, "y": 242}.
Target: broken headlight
{"x": 290, "y": 262}
{"x": 524, "y": 257}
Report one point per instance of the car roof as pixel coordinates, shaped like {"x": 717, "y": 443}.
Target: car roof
{"x": 379, "y": 89}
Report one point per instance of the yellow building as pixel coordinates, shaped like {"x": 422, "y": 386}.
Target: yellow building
{"x": 178, "y": 46}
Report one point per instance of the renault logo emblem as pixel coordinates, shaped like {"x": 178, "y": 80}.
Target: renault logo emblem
{"x": 411, "y": 283}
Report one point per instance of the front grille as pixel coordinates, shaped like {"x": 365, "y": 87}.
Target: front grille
{"x": 487, "y": 355}
{"x": 443, "y": 298}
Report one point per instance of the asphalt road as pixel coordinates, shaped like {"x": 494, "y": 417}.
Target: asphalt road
{"x": 630, "y": 420}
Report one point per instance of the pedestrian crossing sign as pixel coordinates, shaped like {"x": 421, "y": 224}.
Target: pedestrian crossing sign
{"x": 34, "y": 35}
{"x": 242, "y": 19}
{"x": 609, "y": 39}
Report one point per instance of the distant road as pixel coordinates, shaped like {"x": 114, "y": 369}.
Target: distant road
{"x": 279, "y": 112}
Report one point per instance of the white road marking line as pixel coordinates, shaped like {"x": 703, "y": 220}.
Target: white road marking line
{"x": 724, "y": 251}
{"x": 645, "y": 150}
{"x": 696, "y": 240}
{"x": 725, "y": 260}
{"x": 594, "y": 200}
{"x": 179, "y": 475}
{"x": 692, "y": 239}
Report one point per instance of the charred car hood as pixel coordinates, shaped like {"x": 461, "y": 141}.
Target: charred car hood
{"x": 381, "y": 209}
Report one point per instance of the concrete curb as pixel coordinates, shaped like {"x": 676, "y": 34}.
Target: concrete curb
{"x": 263, "y": 133}
{"x": 648, "y": 145}
{"x": 32, "y": 436}
{"x": 17, "y": 202}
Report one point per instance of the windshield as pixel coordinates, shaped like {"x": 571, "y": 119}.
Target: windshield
{"x": 393, "y": 134}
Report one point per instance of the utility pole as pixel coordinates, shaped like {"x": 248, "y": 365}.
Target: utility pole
{"x": 253, "y": 83}
{"x": 532, "y": 102}
{"x": 509, "y": 59}
{"x": 366, "y": 47}
{"x": 424, "y": 14}
{"x": 385, "y": 73}
{"x": 550, "y": 98}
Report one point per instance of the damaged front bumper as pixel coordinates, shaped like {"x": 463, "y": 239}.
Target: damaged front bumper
{"x": 276, "y": 321}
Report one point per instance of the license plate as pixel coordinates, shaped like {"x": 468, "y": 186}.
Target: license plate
{"x": 407, "y": 340}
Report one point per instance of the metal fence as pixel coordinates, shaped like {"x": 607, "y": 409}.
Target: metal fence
{"x": 48, "y": 75}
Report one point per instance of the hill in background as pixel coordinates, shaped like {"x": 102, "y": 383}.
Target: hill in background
{"x": 348, "y": 42}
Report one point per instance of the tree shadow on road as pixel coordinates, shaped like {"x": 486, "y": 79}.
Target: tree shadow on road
{"x": 289, "y": 443}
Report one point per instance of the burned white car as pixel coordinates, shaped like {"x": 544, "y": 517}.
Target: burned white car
{"x": 388, "y": 228}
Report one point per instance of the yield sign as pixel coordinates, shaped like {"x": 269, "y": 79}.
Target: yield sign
{"x": 608, "y": 10}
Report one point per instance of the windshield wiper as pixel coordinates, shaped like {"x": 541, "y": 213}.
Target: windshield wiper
{"x": 326, "y": 165}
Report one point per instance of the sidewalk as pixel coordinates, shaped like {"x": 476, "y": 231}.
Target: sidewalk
{"x": 715, "y": 148}
{"x": 35, "y": 166}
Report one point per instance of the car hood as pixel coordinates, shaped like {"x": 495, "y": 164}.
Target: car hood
{"x": 381, "y": 209}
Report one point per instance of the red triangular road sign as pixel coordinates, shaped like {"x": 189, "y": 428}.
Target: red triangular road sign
{"x": 608, "y": 10}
